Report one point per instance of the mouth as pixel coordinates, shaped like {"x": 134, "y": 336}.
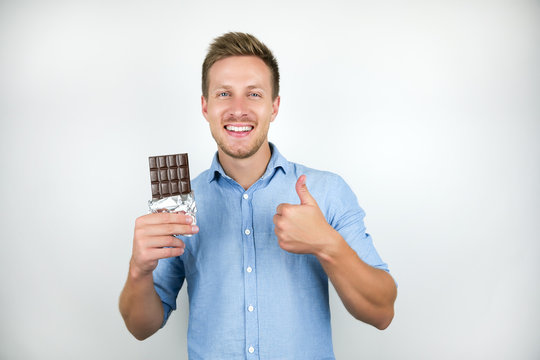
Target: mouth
{"x": 238, "y": 130}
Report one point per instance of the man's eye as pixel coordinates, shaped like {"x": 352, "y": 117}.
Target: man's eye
{"x": 254, "y": 95}
{"x": 223, "y": 94}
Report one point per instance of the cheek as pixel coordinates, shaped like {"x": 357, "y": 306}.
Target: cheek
{"x": 218, "y": 112}
{"x": 214, "y": 117}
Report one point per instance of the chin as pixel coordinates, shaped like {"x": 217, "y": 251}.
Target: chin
{"x": 240, "y": 153}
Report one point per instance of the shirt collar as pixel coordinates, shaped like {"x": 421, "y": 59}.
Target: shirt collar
{"x": 276, "y": 161}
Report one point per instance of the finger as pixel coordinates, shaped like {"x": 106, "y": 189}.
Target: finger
{"x": 167, "y": 252}
{"x": 165, "y": 218}
{"x": 170, "y": 229}
{"x": 303, "y": 193}
{"x": 277, "y": 220}
{"x": 284, "y": 209}
{"x": 164, "y": 241}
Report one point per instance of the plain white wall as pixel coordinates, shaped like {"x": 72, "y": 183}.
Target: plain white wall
{"x": 429, "y": 109}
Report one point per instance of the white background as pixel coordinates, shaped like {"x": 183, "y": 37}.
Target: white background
{"x": 429, "y": 109}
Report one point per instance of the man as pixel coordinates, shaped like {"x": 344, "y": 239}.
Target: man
{"x": 258, "y": 263}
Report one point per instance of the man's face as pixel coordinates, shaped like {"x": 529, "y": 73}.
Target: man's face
{"x": 239, "y": 107}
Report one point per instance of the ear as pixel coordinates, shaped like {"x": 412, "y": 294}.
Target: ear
{"x": 204, "y": 107}
{"x": 275, "y": 108}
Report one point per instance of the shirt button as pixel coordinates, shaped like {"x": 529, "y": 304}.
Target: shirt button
{"x": 247, "y": 232}
{"x": 251, "y": 350}
{"x": 246, "y": 196}
{"x": 249, "y": 269}
{"x": 250, "y": 308}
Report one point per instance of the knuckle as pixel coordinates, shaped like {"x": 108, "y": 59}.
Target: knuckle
{"x": 170, "y": 252}
{"x": 139, "y": 221}
{"x": 176, "y": 242}
{"x": 280, "y": 225}
{"x": 169, "y": 228}
{"x": 138, "y": 232}
{"x": 140, "y": 255}
{"x": 163, "y": 217}
{"x": 137, "y": 244}
{"x": 174, "y": 217}
{"x": 169, "y": 217}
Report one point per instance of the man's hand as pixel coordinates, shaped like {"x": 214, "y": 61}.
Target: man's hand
{"x": 153, "y": 240}
{"x": 302, "y": 229}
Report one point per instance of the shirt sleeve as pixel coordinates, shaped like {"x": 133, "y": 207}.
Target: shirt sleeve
{"x": 347, "y": 217}
{"x": 168, "y": 279}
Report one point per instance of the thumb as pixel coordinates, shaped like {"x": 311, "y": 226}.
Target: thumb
{"x": 303, "y": 193}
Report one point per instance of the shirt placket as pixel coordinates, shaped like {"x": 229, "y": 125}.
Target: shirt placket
{"x": 250, "y": 279}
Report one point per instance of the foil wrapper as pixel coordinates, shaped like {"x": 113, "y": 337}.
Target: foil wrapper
{"x": 177, "y": 203}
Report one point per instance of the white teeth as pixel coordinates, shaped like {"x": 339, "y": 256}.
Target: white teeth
{"x": 238, "y": 128}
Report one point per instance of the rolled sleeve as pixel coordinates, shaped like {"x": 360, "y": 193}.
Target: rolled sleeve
{"x": 347, "y": 217}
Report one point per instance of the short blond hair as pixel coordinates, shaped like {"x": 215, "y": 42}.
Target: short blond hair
{"x": 239, "y": 44}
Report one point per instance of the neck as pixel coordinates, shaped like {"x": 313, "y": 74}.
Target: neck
{"x": 246, "y": 171}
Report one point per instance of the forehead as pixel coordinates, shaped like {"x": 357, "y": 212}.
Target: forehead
{"x": 239, "y": 70}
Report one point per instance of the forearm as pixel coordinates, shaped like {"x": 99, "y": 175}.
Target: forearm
{"x": 140, "y": 305}
{"x": 367, "y": 293}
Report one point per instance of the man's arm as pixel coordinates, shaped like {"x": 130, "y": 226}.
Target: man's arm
{"x": 367, "y": 293}
{"x": 153, "y": 239}
{"x": 140, "y": 306}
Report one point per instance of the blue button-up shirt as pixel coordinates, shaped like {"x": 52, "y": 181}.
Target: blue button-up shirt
{"x": 248, "y": 298}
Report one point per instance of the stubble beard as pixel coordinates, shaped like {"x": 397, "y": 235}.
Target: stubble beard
{"x": 240, "y": 153}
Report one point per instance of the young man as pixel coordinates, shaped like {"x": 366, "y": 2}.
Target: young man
{"x": 270, "y": 234}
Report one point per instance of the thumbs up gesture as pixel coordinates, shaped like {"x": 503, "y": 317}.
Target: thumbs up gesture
{"x": 302, "y": 228}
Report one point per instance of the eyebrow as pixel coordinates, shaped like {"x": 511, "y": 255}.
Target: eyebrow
{"x": 228, "y": 87}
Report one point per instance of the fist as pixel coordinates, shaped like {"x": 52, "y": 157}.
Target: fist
{"x": 302, "y": 228}
{"x": 154, "y": 239}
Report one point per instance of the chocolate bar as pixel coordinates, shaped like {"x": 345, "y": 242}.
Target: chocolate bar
{"x": 169, "y": 175}
{"x": 171, "y": 187}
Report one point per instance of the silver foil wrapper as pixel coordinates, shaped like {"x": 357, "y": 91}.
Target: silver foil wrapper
{"x": 177, "y": 203}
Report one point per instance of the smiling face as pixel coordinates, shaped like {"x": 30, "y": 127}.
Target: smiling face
{"x": 239, "y": 107}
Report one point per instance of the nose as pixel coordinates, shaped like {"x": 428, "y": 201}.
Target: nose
{"x": 238, "y": 107}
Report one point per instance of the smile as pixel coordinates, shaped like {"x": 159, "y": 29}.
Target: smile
{"x": 239, "y": 128}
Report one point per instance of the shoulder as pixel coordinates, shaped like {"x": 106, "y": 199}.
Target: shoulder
{"x": 329, "y": 189}
{"x": 320, "y": 179}
{"x": 332, "y": 193}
